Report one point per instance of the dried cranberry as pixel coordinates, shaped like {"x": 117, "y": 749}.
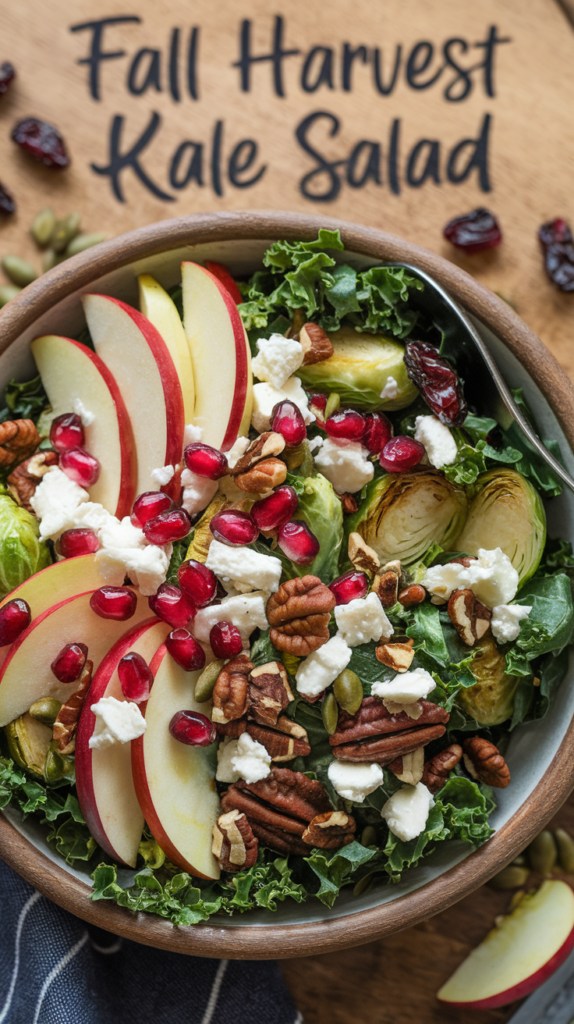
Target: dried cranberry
{"x": 556, "y": 240}
{"x": 7, "y": 201}
{"x": 437, "y": 381}
{"x": 42, "y": 141}
{"x": 474, "y": 232}
{"x": 7, "y": 75}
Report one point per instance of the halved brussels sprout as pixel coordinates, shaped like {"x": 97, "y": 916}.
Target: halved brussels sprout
{"x": 22, "y": 553}
{"x": 321, "y": 509}
{"x": 491, "y": 701}
{"x": 28, "y": 743}
{"x": 506, "y": 512}
{"x": 359, "y": 370}
{"x": 404, "y": 513}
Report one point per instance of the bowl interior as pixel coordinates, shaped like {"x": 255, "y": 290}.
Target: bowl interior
{"x": 532, "y": 747}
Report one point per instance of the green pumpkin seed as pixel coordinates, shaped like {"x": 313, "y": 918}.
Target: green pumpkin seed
{"x": 364, "y": 883}
{"x": 512, "y": 877}
{"x": 58, "y": 766}
{"x": 43, "y": 225}
{"x": 45, "y": 710}
{"x": 64, "y": 231}
{"x": 7, "y": 292}
{"x": 18, "y": 270}
{"x": 369, "y": 836}
{"x": 330, "y": 713}
{"x": 333, "y": 403}
{"x": 348, "y": 690}
{"x": 82, "y": 242}
{"x": 542, "y": 853}
{"x": 565, "y": 845}
{"x": 152, "y": 854}
{"x": 207, "y": 680}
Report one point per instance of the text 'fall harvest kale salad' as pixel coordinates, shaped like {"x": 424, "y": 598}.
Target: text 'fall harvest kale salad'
{"x": 274, "y": 597}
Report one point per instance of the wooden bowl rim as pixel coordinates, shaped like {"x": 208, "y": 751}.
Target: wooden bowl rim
{"x": 283, "y": 941}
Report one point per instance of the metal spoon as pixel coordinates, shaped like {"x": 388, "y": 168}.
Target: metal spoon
{"x": 484, "y": 385}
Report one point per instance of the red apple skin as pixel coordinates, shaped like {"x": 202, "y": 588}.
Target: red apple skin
{"x": 223, "y": 275}
{"x": 84, "y": 778}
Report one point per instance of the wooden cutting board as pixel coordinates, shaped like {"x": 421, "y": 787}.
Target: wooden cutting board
{"x": 398, "y": 115}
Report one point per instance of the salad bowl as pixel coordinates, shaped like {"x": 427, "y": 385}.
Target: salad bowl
{"x": 540, "y": 754}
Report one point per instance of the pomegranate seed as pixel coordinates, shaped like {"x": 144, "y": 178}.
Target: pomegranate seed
{"x": 234, "y": 527}
{"x": 14, "y": 618}
{"x": 7, "y": 74}
{"x": 317, "y": 405}
{"x": 474, "y": 231}
{"x": 149, "y": 505}
{"x": 437, "y": 381}
{"x": 349, "y": 586}
{"x": 172, "y": 605}
{"x": 7, "y": 201}
{"x": 287, "y": 420}
{"x": 68, "y": 664}
{"x": 80, "y": 541}
{"x": 168, "y": 527}
{"x": 192, "y": 728}
{"x": 276, "y": 509}
{"x": 80, "y": 466}
{"x": 205, "y": 460}
{"x": 199, "y": 582}
{"x": 556, "y": 240}
{"x": 135, "y": 677}
{"x": 298, "y": 542}
{"x": 185, "y": 649}
{"x": 42, "y": 141}
{"x": 400, "y": 454}
{"x": 66, "y": 432}
{"x": 225, "y": 640}
{"x": 346, "y": 425}
{"x": 114, "y": 603}
{"x": 379, "y": 430}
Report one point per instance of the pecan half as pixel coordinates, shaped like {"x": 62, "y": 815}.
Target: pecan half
{"x": 24, "y": 480}
{"x": 386, "y": 587}
{"x": 396, "y": 656}
{"x": 279, "y": 840}
{"x": 330, "y": 831}
{"x": 268, "y": 693}
{"x": 266, "y": 446}
{"x": 230, "y": 690}
{"x": 299, "y": 615}
{"x": 233, "y": 729}
{"x": 315, "y": 343}
{"x": 483, "y": 761}
{"x": 234, "y": 844}
{"x": 373, "y": 719}
{"x": 66, "y": 723}
{"x": 469, "y": 617}
{"x": 385, "y": 749}
{"x": 291, "y": 792}
{"x": 437, "y": 770}
{"x": 262, "y": 477}
{"x": 409, "y": 767}
{"x": 361, "y": 555}
{"x": 349, "y": 503}
{"x": 280, "y": 745}
{"x": 415, "y": 594}
{"x": 18, "y": 440}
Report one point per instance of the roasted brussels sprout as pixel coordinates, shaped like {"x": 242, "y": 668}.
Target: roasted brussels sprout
{"x": 404, "y": 513}
{"x": 321, "y": 509}
{"x": 506, "y": 512}
{"x": 22, "y": 553}
{"x": 28, "y": 742}
{"x": 491, "y": 701}
{"x": 359, "y": 370}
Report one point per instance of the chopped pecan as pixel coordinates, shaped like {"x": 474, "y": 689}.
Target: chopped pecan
{"x": 409, "y": 767}
{"x": 299, "y": 615}
{"x": 349, "y": 503}
{"x": 233, "y": 729}
{"x": 266, "y": 446}
{"x": 386, "y": 587}
{"x": 262, "y": 477}
{"x": 385, "y": 749}
{"x": 18, "y": 440}
{"x": 292, "y": 792}
{"x": 24, "y": 480}
{"x": 234, "y": 844}
{"x": 330, "y": 831}
{"x": 396, "y": 656}
{"x": 362, "y": 556}
{"x": 437, "y": 770}
{"x": 66, "y": 723}
{"x": 230, "y": 690}
{"x": 469, "y": 617}
{"x": 280, "y": 745}
{"x": 268, "y": 693}
{"x": 373, "y": 719}
{"x": 415, "y": 594}
{"x": 483, "y": 761}
{"x": 315, "y": 343}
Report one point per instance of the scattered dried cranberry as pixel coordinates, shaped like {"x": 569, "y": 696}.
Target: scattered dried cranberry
{"x": 437, "y": 381}
{"x": 272, "y": 512}
{"x": 80, "y": 541}
{"x": 42, "y": 141}
{"x": 556, "y": 240}
{"x": 149, "y": 505}
{"x": 7, "y": 201}
{"x": 350, "y": 586}
{"x": 225, "y": 640}
{"x": 172, "y": 605}
{"x": 68, "y": 664}
{"x": 15, "y": 617}
{"x": 233, "y": 527}
{"x": 401, "y": 454}
{"x": 474, "y": 232}
{"x": 7, "y": 75}
{"x": 193, "y": 728}
{"x": 298, "y": 542}
{"x": 135, "y": 677}
{"x": 185, "y": 650}
{"x": 379, "y": 430}
{"x": 346, "y": 425}
{"x": 199, "y": 582}
{"x": 66, "y": 431}
{"x": 117, "y": 603}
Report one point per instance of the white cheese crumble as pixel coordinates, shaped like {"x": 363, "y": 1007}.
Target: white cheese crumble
{"x": 406, "y": 687}
{"x": 117, "y": 721}
{"x": 361, "y": 620}
{"x": 322, "y": 667}
{"x": 354, "y": 781}
{"x": 191, "y": 433}
{"x": 197, "y": 491}
{"x": 406, "y": 812}
{"x": 246, "y": 611}
{"x": 505, "y": 621}
{"x": 225, "y": 770}
{"x": 390, "y": 390}
{"x": 162, "y": 475}
{"x": 437, "y": 441}
{"x": 85, "y": 415}
{"x": 146, "y": 566}
{"x": 55, "y": 501}
{"x": 278, "y": 359}
{"x": 491, "y": 577}
{"x": 266, "y": 397}
{"x": 244, "y": 568}
{"x": 251, "y": 759}
{"x": 345, "y": 464}
{"x": 237, "y": 450}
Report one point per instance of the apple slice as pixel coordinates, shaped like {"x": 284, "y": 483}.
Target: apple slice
{"x": 139, "y": 360}
{"x": 25, "y": 675}
{"x": 222, "y": 274}
{"x": 518, "y": 956}
{"x": 174, "y": 782}
{"x": 72, "y": 373}
{"x": 220, "y": 355}
{"x": 104, "y": 777}
{"x": 160, "y": 310}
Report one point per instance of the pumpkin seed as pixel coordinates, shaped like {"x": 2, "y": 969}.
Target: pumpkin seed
{"x": 64, "y": 231}
{"x": 58, "y": 766}
{"x": 512, "y": 877}
{"x": 7, "y": 292}
{"x": 364, "y": 883}
{"x": 43, "y": 225}
{"x": 369, "y": 836}
{"x": 542, "y": 853}
{"x": 18, "y": 270}
{"x": 330, "y": 713}
{"x": 348, "y": 691}
{"x": 82, "y": 242}
{"x": 207, "y": 680}
{"x": 333, "y": 403}
{"x": 565, "y": 845}
{"x": 45, "y": 710}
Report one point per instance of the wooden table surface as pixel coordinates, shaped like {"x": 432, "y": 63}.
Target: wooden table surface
{"x": 519, "y": 95}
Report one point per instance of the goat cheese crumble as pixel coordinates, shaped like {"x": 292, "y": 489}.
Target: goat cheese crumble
{"x": 322, "y": 667}
{"x": 506, "y": 619}
{"x": 162, "y": 475}
{"x": 278, "y": 359}
{"x": 390, "y": 390}
{"x": 407, "y": 811}
{"x": 361, "y": 620}
{"x": 437, "y": 441}
{"x": 354, "y": 781}
{"x": 117, "y": 721}
{"x": 244, "y": 568}
{"x": 406, "y": 687}
{"x": 491, "y": 577}
{"x": 345, "y": 464}
{"x": 246, "y": 611}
